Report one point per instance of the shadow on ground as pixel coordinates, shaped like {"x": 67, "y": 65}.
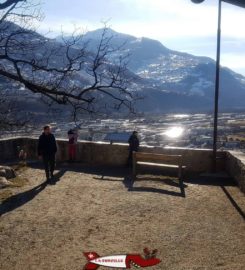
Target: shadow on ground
{"x": 233, "y": 202}
{"x": 211, "y": 180}
{"x": 22, "y": 198}
{"x": 129, "y": 184}
{"x": 102, "y": 173}
{"x": 110, "y": 174}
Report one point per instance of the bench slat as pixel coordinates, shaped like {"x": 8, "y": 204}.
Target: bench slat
{"x": 158, "y": 165}
{"x": 150, "y": 157}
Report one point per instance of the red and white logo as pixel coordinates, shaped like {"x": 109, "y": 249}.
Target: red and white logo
{"x": 121, "y": 261}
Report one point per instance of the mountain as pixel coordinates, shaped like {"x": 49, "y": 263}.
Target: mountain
{"x": 185, "y": 80}
{"x": 169, "y": 81}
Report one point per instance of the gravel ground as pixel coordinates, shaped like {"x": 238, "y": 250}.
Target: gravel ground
{"x": 50, "y": 226}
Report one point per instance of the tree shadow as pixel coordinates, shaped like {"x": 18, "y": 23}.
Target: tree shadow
{"x": 20, "y": 199}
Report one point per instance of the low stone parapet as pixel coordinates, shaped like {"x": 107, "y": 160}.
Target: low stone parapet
{"x": 235, "y": 166}
{"x": 102, "y": 153}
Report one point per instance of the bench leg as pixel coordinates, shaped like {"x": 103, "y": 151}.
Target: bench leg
{"x": 181, "y": 183}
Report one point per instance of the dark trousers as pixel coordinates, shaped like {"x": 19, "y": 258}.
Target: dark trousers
{"x": 130, "y": 156}
{"x": 49, "y": 164}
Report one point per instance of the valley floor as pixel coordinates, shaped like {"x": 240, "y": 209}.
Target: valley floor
{"x": 50, "y": 226}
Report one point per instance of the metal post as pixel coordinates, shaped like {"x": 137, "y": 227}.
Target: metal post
{"x": 216, "y": 101}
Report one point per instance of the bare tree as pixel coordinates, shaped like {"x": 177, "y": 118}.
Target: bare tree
{"x": 61, "y": 73}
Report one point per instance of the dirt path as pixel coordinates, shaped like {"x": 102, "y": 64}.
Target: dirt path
{"x": 49, "y": 227}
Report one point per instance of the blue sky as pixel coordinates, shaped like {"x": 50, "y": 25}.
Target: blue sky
{"x": 178, "y": 24}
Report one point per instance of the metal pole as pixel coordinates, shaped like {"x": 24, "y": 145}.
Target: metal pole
{"x": 216, "y": 100}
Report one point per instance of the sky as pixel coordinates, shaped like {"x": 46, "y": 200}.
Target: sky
{"x": 177, "y": 24}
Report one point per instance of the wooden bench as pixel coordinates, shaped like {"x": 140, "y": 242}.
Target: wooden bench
{"x": 158, "y": 160}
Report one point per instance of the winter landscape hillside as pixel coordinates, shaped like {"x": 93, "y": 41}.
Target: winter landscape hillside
{"x": 165, "y": 80}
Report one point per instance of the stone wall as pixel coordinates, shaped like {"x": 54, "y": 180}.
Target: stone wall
{"x": 95, "y": 153}
{"x": 235, "y": 166}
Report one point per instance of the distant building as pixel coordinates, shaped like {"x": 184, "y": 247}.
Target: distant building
{"x": 232, "y": 145}
{"x": 119, "y": 137}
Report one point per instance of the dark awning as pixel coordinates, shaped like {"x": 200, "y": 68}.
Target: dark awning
{"x": 240, "y": 3}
